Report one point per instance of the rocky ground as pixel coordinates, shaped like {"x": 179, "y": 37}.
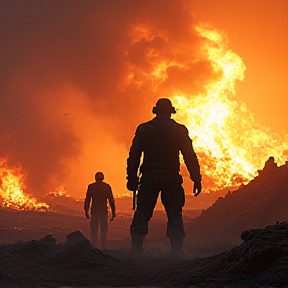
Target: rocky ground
{"x": 260, "y": 261}
{"x": 262, "y": 202}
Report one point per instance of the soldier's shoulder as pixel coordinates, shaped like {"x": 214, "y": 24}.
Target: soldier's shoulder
{"x": 180, "y": 126}
{"x": 144, "y": 124}
{"x": 143, "y": 127}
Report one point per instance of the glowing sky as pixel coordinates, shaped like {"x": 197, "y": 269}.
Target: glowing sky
{"x": 65, "y": 110}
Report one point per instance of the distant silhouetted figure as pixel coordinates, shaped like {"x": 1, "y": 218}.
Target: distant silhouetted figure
{"x": 160, "y": 140}
{"x": 99, "y": 192}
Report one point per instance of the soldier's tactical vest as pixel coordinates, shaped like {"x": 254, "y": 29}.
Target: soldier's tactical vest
{"x": 161, "y": 145}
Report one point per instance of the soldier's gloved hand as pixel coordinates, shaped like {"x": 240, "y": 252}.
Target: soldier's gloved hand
{"x": 113, "y": 216}
{"x": 132, "y": 183}
{"x": 197, "y": 188}
{"x": 87, "y": 215}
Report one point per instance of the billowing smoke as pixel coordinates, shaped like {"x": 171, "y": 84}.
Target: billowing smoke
{"x": 109, "y": 53}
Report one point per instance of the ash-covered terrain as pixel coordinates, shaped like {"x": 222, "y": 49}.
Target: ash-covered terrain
{"x": 260, "y": 261}
{"x": 240, "y": 241}
{"x": 262, "y": 202}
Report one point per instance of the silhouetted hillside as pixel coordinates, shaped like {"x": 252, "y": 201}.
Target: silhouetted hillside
{"x": 261, "y": 261}
{"x": 262, "y": 202}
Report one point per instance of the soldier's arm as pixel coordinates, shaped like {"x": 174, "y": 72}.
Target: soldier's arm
{"x": 189, "y": 156}
{"x": 111, "y": 200}
{"x": 133, "y": 160}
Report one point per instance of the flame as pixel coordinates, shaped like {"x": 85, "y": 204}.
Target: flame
{"x": 11, "y": 191}
{"x": 59, "y": 192}
{"x": 123, "y": 195}
{"x": 230, "y": 144}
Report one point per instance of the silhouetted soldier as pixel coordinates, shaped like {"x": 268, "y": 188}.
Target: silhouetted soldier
{"x": 160, "y": 140}
{"x": 99, "y": 192}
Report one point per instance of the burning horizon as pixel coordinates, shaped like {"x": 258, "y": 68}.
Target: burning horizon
{"x": 80, "y": 76}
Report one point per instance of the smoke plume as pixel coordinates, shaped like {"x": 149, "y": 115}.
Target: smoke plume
{"x": 92, "y": 57}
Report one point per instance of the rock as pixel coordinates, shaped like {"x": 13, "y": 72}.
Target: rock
{"x": 250, "y": 234}
{"x": 76, "y": 238}
{"x": 48, "y": 240}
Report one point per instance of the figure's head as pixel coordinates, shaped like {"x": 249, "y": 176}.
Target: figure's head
{"x": 99, "y": 176}
{"x": 163, "y": 106}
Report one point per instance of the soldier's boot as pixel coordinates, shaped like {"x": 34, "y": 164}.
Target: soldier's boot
{"x": 176, "y": 244}
{"x": 136, "y": 244}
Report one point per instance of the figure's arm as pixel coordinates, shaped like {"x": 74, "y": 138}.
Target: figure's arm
{"x": 133, "y": 161}
{"x": 111, "y": 201}
{"x": 87, "y": 203}
{"x": 191, "y": 160}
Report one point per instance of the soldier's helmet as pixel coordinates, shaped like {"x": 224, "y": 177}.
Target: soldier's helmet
{"x": 163, "y": 105}
{"x": 99, "y": 176}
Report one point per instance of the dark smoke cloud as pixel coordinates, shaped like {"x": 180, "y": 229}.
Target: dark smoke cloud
{"x": 91, "y": 46}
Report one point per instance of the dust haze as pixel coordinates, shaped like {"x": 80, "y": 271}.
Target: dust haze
{"x": 76, "y": 80}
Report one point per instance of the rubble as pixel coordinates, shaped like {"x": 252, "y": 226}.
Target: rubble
{"x": 261, "y": 260}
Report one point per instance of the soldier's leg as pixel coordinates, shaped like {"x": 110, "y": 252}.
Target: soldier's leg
{"x": 94, "y": 230}
{"x": 173, "y": 199}
{"x": 175, "y": 231}
{"x": 104, "y": 230}
{"x": 146, "y": 201}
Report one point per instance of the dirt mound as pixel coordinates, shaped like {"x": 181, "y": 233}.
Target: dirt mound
{"x": 262, "y": 259}
{"x": 252, "y": 206}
